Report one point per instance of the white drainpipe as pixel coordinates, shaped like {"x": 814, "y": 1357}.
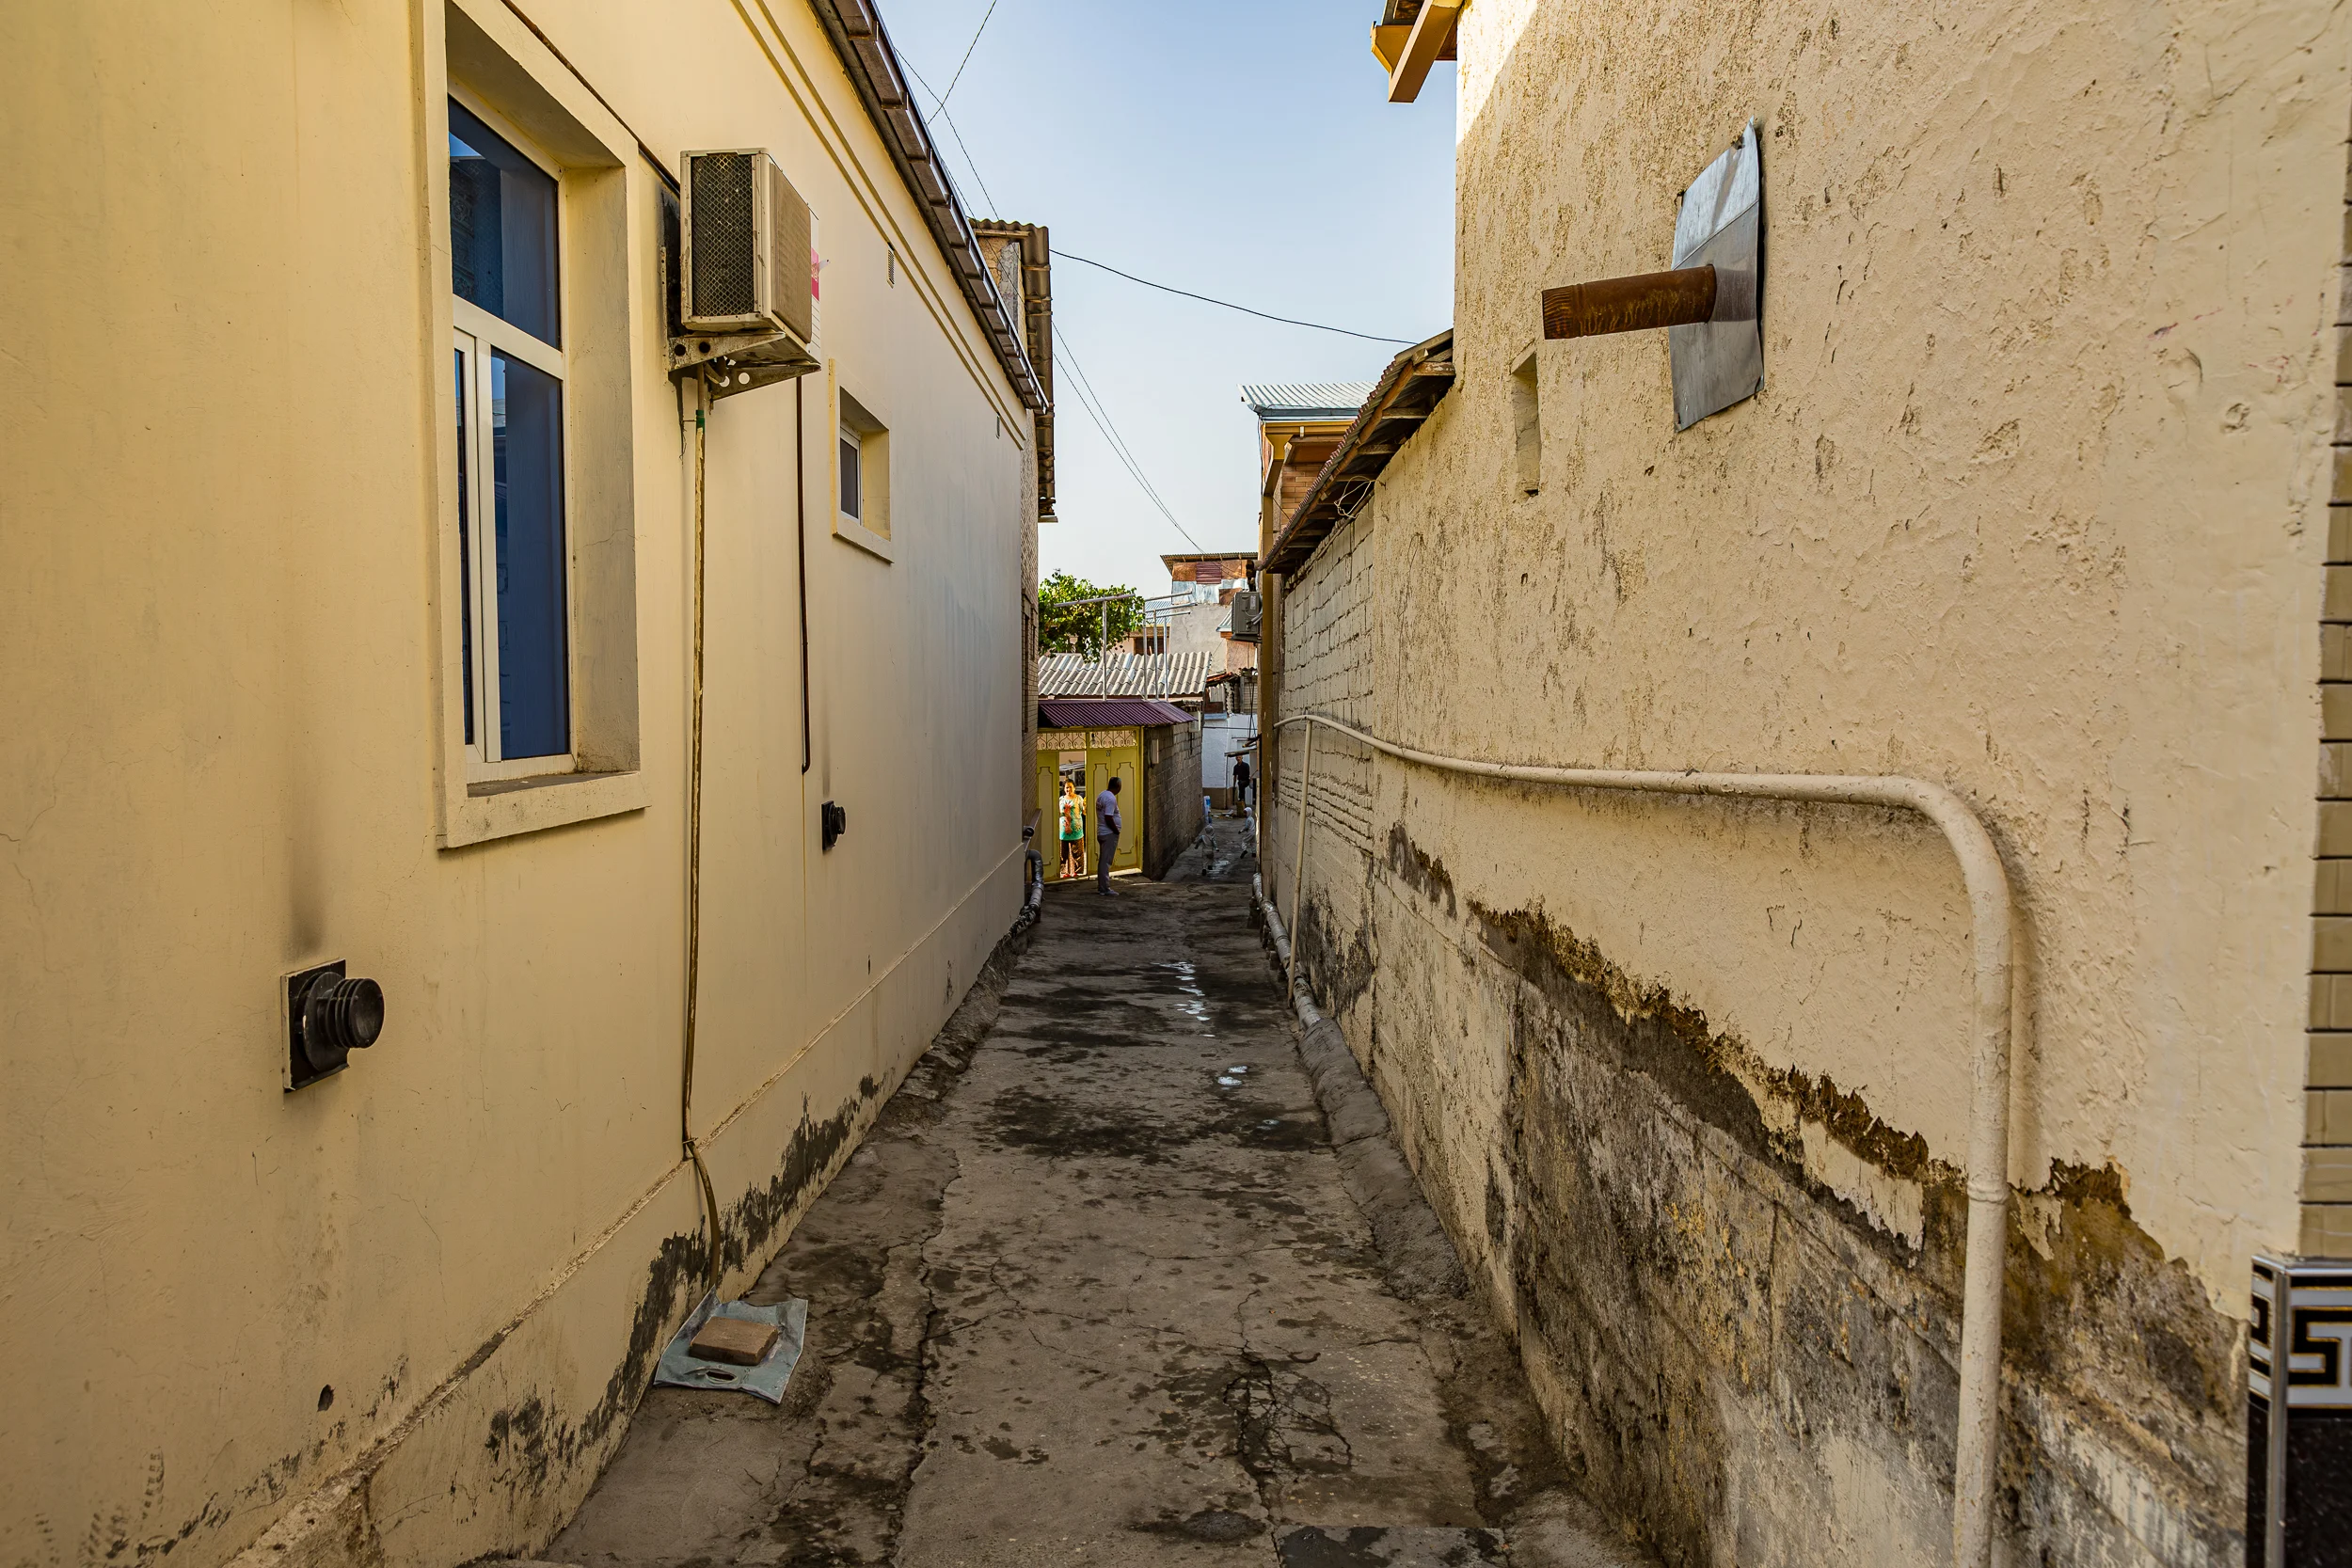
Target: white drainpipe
{"x": 1989, "y": 902}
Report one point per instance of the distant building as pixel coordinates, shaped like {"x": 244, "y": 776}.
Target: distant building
{"x": 1173, "y": 759}
{"x": 1300, "y": 424}
{"x": 1196, "y": 615}
{"x": 1153, "y": 749}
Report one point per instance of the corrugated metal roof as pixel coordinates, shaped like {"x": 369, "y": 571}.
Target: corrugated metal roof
{"x": 1412, "y": 385}
{"x": 1306, "y": 400}
{"x": 1096, "y": 713}
{"x": 1179, "y": 676}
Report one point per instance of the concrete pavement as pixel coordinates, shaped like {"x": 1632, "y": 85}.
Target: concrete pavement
{"x": 1094, "y": 1291}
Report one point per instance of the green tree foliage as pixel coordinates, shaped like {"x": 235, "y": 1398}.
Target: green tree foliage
{"x": 1067, "y": 628}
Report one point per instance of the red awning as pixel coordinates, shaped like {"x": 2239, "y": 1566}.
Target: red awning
{"x": 1104, "y": 713}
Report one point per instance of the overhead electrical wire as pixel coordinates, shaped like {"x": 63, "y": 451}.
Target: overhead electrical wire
{"x": 1089, "y": 400}
{"x": 967, "y": 57}
{"x": 1206, "y": 299}
{"x": 1087, "y": 392}
{"x": 939, "y": 106}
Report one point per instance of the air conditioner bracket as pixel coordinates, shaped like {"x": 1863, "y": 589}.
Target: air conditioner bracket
{"x": 741, "y": 361}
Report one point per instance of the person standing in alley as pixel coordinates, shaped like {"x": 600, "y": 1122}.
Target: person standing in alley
{"x": 1074, "y": 832}
{"x": 1241, "y": 785}
{"x": 1106, "y": 825}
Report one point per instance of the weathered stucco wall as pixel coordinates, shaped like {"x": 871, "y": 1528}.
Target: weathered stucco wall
{"x": 1173, "y": 813}
{"x": 218, "y": 573}
{"x": 2032, "y": 503}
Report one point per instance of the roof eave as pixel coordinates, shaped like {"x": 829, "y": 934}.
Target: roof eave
{"x": 1408, "y": 391}
{"x": 863, "y": 43}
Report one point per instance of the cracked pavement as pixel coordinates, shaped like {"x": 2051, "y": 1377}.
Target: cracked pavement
{"x": 1094, "y": 1291}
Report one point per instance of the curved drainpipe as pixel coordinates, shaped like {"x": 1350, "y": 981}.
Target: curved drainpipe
{"x": 1989, "y": 903}
{"x": 1302, "y": 997}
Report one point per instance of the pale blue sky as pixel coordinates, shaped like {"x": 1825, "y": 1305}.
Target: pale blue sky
{"x": 1244, "y": 148}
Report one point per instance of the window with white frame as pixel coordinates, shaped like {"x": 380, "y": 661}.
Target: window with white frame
{"x": 852, "y": 475}
{"x": 509, "y": 367}
{"x": 862, "y": 463}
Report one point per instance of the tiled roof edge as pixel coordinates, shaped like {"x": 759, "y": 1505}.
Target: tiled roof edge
{"x": 867, "y": 54}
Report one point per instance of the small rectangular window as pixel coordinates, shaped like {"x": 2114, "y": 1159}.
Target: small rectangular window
{"x": 540, "y": 227}
{"x": 853, "y": 476}
{"x": 1527, "y": 426}
{"x": 513, "y": 540}
{"x": 863, "y": 445}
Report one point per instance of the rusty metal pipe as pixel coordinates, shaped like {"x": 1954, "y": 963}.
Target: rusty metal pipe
{"x": 1677, "y": 299}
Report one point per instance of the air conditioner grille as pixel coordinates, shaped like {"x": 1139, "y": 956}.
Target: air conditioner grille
{"x": 725, "y": 278}
{"x": 788, "y": 226}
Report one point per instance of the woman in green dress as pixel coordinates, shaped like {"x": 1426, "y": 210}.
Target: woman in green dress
{"x": 1073, "y": 832}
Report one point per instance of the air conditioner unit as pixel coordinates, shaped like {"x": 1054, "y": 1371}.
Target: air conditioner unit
{"x": 746, "y": 277}
{"x": 1248, "y": 611}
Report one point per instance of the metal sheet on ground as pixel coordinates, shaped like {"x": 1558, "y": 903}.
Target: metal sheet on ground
{"x": 680, "y": 1369}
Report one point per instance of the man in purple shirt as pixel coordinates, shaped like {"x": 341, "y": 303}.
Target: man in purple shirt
{"x": 1106, "y": 825}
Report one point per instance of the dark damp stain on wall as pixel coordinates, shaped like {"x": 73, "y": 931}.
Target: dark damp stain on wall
{"x": 1339, "y": 958}
{"x": 531, "y": 1446}
{"x": 757, "y": 1222}
{"x": 1701, "y": 1316}
{"x": 1423, "y": 873}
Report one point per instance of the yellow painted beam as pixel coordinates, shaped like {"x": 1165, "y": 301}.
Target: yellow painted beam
{"x": 1388, "y": 43}
{"x": 1433, "y": 29}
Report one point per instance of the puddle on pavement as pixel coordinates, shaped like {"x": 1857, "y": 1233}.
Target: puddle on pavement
{"x": 1282, "y": 1132}
{"x": 1195, "y": 1005}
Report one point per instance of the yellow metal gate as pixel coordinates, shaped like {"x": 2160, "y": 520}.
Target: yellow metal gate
{"x": 1087, "y": 760}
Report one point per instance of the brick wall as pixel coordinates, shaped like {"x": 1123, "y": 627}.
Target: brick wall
{"x": 1171, "y": 794}
{"x": 1329, "y": 672}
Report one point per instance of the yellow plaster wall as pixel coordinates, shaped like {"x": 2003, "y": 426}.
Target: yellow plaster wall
{"x": 2032, "y": 502}
{"x": 221, "y": 718}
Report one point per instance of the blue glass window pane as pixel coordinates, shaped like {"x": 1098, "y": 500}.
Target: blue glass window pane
{"x": 501, "y": 228}
{"x": 527, "y": 446}
{"x": 465, "y": 544}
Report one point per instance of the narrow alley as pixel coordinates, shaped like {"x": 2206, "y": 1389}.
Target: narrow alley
{"x": 1709, "y": 649}
{"x": 1096, "y": 1290}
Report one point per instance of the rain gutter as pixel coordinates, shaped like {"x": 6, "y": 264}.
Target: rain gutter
{"x": 856, "y": 31}
{"x": 1991, "y": 908}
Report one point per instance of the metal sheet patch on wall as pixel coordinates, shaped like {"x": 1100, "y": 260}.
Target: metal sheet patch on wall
{"x": 1720, "y": 361}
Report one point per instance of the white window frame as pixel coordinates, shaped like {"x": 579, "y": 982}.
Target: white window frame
{"x": 854, "y": 439}
{"x": 607, "y": 199}
{"x": 477, "y": 333}
{"x": 857, "y": 422}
